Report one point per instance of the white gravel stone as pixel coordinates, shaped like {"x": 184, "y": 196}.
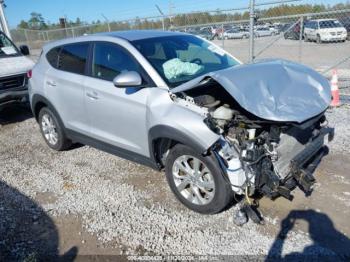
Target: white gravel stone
{"x": 91, "y": 184}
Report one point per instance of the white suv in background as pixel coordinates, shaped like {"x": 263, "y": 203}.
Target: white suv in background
{"x": 324, "y": 30}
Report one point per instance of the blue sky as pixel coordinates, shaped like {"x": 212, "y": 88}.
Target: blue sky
{"x": 89, "y": 10}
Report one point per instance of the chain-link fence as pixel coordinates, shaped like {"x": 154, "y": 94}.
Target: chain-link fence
{"x": 313, "y": 34}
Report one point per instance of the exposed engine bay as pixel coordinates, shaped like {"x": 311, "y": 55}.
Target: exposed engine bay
{"x": 258, "y": 156}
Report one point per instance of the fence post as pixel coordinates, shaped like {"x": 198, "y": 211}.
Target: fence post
{"x": 222, "y": 36}
{"x": 301, "y": 37}
{"x": 26, "y": 36}
{"x": 251, "y": 30}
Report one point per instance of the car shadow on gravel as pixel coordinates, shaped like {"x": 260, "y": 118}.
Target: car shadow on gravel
{"x": 328, "y": 243}
{"x": 27, "y": 233}
{"x": 14, "y": 113}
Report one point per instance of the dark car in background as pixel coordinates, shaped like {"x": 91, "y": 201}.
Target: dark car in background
{"x": 293, "y": 31}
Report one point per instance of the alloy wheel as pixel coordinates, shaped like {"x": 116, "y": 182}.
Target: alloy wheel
{"x": 193, "y": 180}
{"x": 49, "y": 129}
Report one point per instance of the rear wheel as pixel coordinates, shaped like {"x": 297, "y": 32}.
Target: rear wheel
{"x": 52, "y": 130}
{"x": 197, "y": 181}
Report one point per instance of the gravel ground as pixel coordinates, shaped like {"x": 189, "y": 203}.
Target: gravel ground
{"x": 115, "y": 210}
{"x": 339, "y": 118}
{"x": 125, "y": 204}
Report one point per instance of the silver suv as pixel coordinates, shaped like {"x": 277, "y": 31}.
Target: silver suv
{"x": 177, "y": 102}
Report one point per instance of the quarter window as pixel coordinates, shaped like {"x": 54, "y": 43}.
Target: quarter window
{"x": 109, "y": 60}
{"x": 52, "y": 56}
{"x": 73, "y": 58}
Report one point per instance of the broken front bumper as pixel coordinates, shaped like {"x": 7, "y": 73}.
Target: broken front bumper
{"x": 305, "y": 162}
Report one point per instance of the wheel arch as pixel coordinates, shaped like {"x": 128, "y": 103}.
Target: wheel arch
{"x": 38, "y": 102}
{"x": 162, "y": 138}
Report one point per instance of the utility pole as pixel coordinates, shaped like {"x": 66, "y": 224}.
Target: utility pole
{"x": 171, "y": 7}
{"x": 251, "y": 30}
{"x": 109, "y": 27}
{"x": 163, "y": 16}
{"x": 3, "y": 22}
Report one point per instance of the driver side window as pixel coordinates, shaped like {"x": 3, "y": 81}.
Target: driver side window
{"x": 109, "y": 60}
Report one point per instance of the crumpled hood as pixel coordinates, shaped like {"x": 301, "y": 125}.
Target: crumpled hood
{"x": 15, "y": 65}
{"x": 276, "y": 90}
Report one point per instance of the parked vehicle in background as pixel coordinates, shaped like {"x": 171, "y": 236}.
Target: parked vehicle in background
{"x": 182, "y": 104}
{"x": 235, "y": 34}
{"x": 263, "y": 31}
{"x": 293, "y": 31}
{"x": 345, "y": 21}
{"x": 14, "y": 67}
{"x": 205, "y": 34}
{"x": 274, "y": 29}
{"x": 324, "y": 30}
{"x": 347, "y": 27}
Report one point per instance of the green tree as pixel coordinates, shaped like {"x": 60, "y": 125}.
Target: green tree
{"x": 23, "y": 24}
{"x": 37, "y": 21}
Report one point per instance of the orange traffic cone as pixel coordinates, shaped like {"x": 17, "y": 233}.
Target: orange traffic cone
{"x": 335, "y": 89}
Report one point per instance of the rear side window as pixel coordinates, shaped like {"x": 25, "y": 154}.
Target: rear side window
{"x": 52, "y": 56}
{"x": 73, "y": 58}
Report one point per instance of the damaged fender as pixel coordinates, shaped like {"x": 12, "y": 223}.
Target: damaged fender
{"x": 166, "y": 118}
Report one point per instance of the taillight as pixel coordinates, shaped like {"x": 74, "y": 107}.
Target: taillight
{"x": 29, "y": 74}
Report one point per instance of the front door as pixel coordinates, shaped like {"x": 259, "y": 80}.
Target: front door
{"x": 117, "y": 115}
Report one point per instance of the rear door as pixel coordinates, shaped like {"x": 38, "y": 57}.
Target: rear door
{"x": 313, "y": 31}
{"x": 64, "y": 84}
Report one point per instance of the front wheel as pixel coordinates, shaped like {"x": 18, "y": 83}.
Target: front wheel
{"x": 197, "y": 181}
{"x": 318, "y": 39}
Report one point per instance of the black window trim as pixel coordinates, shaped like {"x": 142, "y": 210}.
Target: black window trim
{"x": 59, "y": 54}
{"x": 144, "y": 75}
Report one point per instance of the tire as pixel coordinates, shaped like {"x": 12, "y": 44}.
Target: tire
{"x": 205, "y": 200}
{"x": 318, "y": 39}
{"x": 52, "y": 130}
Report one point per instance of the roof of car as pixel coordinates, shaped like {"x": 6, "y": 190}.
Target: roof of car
{"x": 132, "y": 35}
{"x": 319, "y": 20}
{"x": 129, "y": 35}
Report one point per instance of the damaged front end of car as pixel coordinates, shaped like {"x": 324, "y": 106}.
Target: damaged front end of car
{"x": 271, "y": 121}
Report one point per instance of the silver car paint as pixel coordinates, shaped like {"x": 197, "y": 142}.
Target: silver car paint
{"x": 279, "y": 91}
{"x": 118, "y": 116}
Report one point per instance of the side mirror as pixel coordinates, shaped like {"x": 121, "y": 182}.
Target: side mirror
{"x": 24, "y": 50}
{"x": 128, "y": 79}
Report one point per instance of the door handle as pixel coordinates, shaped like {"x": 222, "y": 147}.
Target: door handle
{"x": 51, "y": 83}
{"x": 93, "y": 95}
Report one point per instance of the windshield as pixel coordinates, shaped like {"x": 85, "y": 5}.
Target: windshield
{"x": 330, "y": 24}
{"x": 181, "y": 58}
{"x": 7, "y": 48}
